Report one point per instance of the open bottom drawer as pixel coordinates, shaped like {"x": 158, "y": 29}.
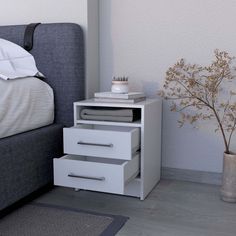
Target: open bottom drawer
{"x": 98, "y": 174}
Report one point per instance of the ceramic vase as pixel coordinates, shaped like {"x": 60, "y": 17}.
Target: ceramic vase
{"x": 228, "y": 189}
{"x": 120, "y": 87}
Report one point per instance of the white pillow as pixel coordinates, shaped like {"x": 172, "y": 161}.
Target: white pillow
{"x": 16, "y": 62}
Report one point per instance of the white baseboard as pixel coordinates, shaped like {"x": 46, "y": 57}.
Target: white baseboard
{"x": 191, "y": 175}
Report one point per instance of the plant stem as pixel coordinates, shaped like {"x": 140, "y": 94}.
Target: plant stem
{"x": 233, "y": 129}
{"x": 212, "y": 107}
{"x": 218, "y": 120}
{"x": 222, "y": 130}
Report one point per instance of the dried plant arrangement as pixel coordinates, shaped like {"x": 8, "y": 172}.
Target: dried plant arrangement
{"x": 204, "y": 93}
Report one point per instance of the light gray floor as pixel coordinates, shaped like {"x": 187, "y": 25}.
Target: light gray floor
{"x": 174, "y": 208}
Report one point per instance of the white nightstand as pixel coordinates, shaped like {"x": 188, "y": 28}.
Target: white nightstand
{"x": 115, "y": 157}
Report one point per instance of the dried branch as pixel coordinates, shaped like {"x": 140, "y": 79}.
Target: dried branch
{"x": 232, "y": 131}
{"x": 198, "y": 88}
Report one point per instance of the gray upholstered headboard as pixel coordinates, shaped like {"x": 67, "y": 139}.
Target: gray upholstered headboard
{"x": 59, "y": 54}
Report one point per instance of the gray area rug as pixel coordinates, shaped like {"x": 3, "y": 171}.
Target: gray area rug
{"x": 48, "y": 220}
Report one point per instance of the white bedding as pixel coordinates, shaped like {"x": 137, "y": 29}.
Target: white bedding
{"x": 16, "y": 62}
{"x": 25, "y": 104}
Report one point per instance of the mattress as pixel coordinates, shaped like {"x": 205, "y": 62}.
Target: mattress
{"x": 25, "y": 104}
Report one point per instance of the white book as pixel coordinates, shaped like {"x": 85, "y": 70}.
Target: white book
{"x": 116, "y": 100}
{"x": 131, "y": 95}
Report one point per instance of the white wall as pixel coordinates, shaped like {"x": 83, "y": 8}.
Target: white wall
{"x": 142, "y": 38}
{"x": 83, "y": 12}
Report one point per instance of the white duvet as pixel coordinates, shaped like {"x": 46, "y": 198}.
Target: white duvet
{"x": 16, "y": 62}
{"x": 25, "y": 104}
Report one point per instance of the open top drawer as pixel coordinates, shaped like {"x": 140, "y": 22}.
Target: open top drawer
{"x": 98, "y": 174}
{"x": 102, "y": 141}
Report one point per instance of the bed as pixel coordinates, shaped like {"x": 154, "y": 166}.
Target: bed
{"x": 26, "y": 164}
{"x": 25, "y": 104}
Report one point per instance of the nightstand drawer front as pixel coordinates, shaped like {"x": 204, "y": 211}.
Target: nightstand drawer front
{"x": 98, "y": 141}
{"x": 89, "y": 173}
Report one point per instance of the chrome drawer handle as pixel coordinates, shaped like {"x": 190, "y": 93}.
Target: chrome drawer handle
{"x": 95, "y": 144}
{"x": 86, "y": 177}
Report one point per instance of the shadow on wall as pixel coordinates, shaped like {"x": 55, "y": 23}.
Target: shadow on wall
{"x": 106, "y": 37}
{"x": 189, "y": 148}
{"x": 186, "y": 147}
{"x": 150, "y": 88}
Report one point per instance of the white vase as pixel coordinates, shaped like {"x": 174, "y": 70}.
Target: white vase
{"x": 228, "y": 189}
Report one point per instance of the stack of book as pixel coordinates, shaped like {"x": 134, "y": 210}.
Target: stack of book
{"x": 132, "y": 97}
